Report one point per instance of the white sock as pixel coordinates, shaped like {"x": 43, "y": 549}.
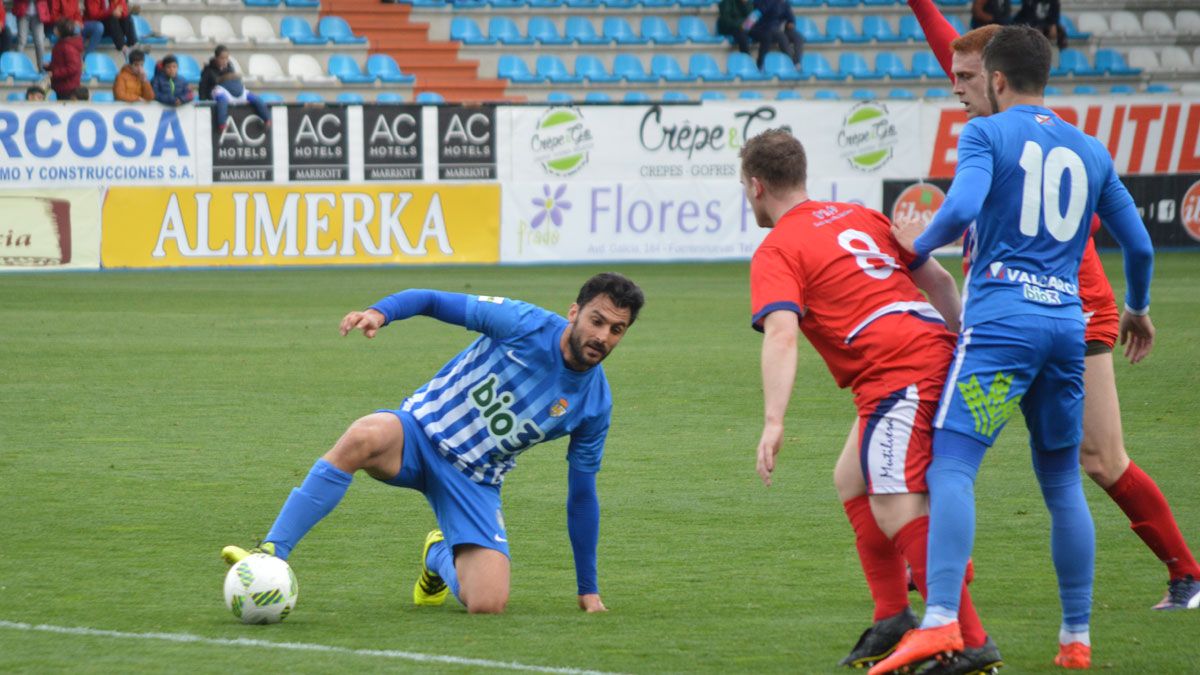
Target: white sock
{"x": 936, "y": 617}
{"x": 1074, "y": 633}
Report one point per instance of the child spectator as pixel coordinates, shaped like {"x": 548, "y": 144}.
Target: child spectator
{"x": 169, "y": 88}
{"x": 131, "y": 84}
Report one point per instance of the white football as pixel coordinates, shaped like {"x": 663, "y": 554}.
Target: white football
{"x": 261, "y": 589}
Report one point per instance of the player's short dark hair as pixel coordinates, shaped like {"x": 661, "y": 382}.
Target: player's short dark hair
{"x": 776, "y": 158}
{"x": 619, "y": 288}
{"x": 1023, "y": 54}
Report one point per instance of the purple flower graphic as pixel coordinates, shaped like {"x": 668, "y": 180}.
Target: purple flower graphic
{"x": 552, "y": 206}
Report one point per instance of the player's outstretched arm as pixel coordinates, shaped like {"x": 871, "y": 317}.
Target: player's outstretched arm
{"x": 368, "y": 321}
{"x": 447, "y": 307}
{"x": 941, "y": 289}
{"x": 583, "y": 527}
{"x": 778, "y": 375}
{"x": 972, "y": 182}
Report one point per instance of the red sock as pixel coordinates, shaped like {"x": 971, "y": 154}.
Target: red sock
{"x": 882, "y": 564}
{"x": 1150, "y": 517}
{"x": 913, "y": 541}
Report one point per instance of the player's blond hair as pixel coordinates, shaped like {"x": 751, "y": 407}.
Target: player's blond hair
{"x": 973, "y": 42}
{"x": 776, "y": 158}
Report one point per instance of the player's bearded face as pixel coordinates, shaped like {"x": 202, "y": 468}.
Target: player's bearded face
{"x": 991, "y": 92}
{"x": 595, "y": 329}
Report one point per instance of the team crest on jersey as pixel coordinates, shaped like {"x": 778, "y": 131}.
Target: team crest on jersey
{"x": 991, "y": 410}
{"x": 559, "y": 408}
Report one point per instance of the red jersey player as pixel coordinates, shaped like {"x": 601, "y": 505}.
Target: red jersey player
{"x": 1102, "y": 452}
{"x": 834, "y": 272}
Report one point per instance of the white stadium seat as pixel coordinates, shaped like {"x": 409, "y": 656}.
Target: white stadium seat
{"x": 217, "y": 29}
{"x": 1091, "y": 22}
{"x": 1158, "y": 23}
{"x": 1190, "y": 88}
{"x": 260, "y": 30}
{"x": 265, "y": 68}
{"x": 1144, "y": 58}
{"x": 1176, "y": 58}
{"x": 1187, "y": 21}
{"x": 179, "y": 29}
{"x": 307, "y": 69}
{"x": 1125, "y": 23}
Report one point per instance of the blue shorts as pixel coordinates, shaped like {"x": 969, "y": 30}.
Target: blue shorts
{"x": 1033, "y": 362}
{"x": 466, "y": 512}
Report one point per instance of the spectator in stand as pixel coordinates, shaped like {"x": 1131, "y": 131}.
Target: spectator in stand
{"x": 91, "y": 31}
{"x": 221, "y": 83}
{"x": 32, "y": 17}
{"x": 114, "y": 16}
{"x": 776, "y": 25}
{"x": 169, "y": 88}
{"x": 988, "y": 12}
{"x": 35, "y": 94}
{"x": 732, "y": 16}
{"x": 66, "y": 59}
{"x": 80, "y": 94}
{"x": 131, "y": 84}
{"x": 1044, "y": 16}
{"x": 6, "y": 36}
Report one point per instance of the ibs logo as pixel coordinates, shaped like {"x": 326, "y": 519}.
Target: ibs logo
{"x": 1190, "y": 217}
{"x": 868, "y": 136}
{"x": 918, "y": 201}
{"x": 562, "y": 141}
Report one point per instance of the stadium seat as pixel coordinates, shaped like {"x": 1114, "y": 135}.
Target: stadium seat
{"x": 384, "y": 68}
{"x": 636, "y": 97}
{"x": 780, "y": 66}
{"x": 888, "y": 64}
{"x": 629, "y": 68}
{"x": 504, "y": 30}
{"x": 302, "y": 3}
{"x": 582, "y": 31}
{"x": 512, "y": 67}
{"x": 656, "y": 30}
{"x": 545, "y": 3}
{"x": 506, "y": 4}
{"x": 910, "y": 29}
{"x": 1173, "y": 58}
{"x": 616, "y": 28}
{"x": 1159, "y": 88}
{"x": 816, "y": 65}
{"x": 901, "y": 94}
{"x": 703, "y": 67}
{"x": 141, "y": 26}
{"x": 806, "y": 3}
{"x": 750, "y": 95}
{"x": 262, "y": 3}
{"x": 697, "y": 4}
{"x": 1124, "y": 24}
{"x": 558, "y": 97}
{"x": 100, "y": 96}
{"x": 1187, "y": 21}
{"x": 650, "y": 4}
{"x": 350, "y": 97}
{"x": 812, "y": 35}
{"x": 15, "y": 96}
{"x": 309, "y": 97}
{"x": 430, "y": 97}
{"x": 260, "y": 31}
{"x": 665, "y": 67}
{"x": 592, "y": 69}
{"x": 852, "y": 66}
{"x": 879, "y": 3}
{"x": 863, "y": 95}
{"x": 1084, "y": 90}
{"x": 743, "y": 67}
{"x": 1051, "y": 90}
{"x": 788, "y": 95}
{"x": 597, "y": 97}
{"x": 1073, "y": 62}
{"x": 552, "y": 68}
{"x": 265, "y": 68}
{"x": 583, "y": 4}
{"x": 1073, "y": 33}
{"x": 465, "y": 30}
{"x": 346, "y": 69}
{"x": 1123, "y": 89}
{"x": 389, "y": 97}
{"x": 826, "y": 95}
{"x": 218, "y": 29}
{"x": 937, "y": 92}
{"x": 839, "y": 28}
{"x": 1158, "y": 23}
{"x": 96, "y": 65}
{"x": 697, "y": 31}
{"x": 675, "y": 97}
{"x": 957, "y": 23}
{"x": 879, "y": 29}
{"x": 299, "y": 31}
{"x": 712, "y": 96}
{"x": 1110, "y": 62}
{"x": 1093, "y": 23}
{"x": 335, "y": 28}
{"x": 306, "y": 68}
{"x": 189, "y": 68}
{"x": 545, "y": 32}
{"x": 178, "y": 29}
{"x": 925, "y": 64}
{"x": 619, "y": 4}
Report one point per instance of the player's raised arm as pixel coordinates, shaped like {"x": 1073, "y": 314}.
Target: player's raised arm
{"x": 447, "y": 307}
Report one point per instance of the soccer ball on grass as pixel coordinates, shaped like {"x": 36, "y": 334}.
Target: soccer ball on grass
{"x": 261, "y": 588}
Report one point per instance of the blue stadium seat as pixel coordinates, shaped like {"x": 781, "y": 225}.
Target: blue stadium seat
{"x": 629, "y": 68}
{"x": 335, "y": 28}
{"x": 1051, "y": 90}
{"x": 552, "y": 68}
{"x": 592, "y": 69}
{"x": 302, "y": 3}
{"x": 350, "y": 97}
{"x": 465, "y": 30}
{"x": 262, "y": 3}
{"x": 346, "y": 69}
{"x": 384, "y": 68}
{"x": 701, "y": 66}
{"x": 582, "y": 31}
{"x": 189, "y": 68}
{"x": 1124, "y": 89}
{"x": 697, "y": 4}
{"x": 780, "y": 66}
{"x": 840, "y": 28}
{"x": 926, "y": 64}
{"x": 583, "y": 4}
{"x": 788, "y": 95}
{"x": 1111, "y": 62}
{"x": 750, "y": 94}
{"x": 1073, "y": 33}
{"x": 559, "y": 97}
{"x": 299, "y": 32}
{"x": 504, "y": 30}
{"x": 655, "y": 29}
{"x": 309, "y": 97}
{"x": 665, "y": 67}
{"x": 901, "y": 94}
{"x": 937, "y": 92}
{"x": 144, "y": 32}
{"x": 650, "y": 4}
{"x": 507, "y": 4}
{"x": 957, "y": 23}
{"x": 743, "y": 67}
{"x": 826, "y": 95}
{"x": 1084, "y": 90}
{"x": 890, "y": 65}
{"x": 675, "y": 97}
{"x": 816, "y": 65}
{"x": 17, "y": 65}
{"x": 511, "y": 67}
{"x": 430, "y": 97}
{"x": 620, "y": 4}
{"x": 692, "y": 28}
{"x": 851, "y": 65}
{"x": 389, "y": 97}
{"x": 881, "y": 3}
{"x": 544, "y": 31}
{"x": 618, "y": 29}
{"x": 863, "y": 95}
{"x": 806, "y": 3}
{"x": 101, "y": 96}
{"x": 636, "y": 97}
{"x": 597, "y": 97}
{"x": 15, "y": 96}
{"x": 96, "y": 65}
{"x": 812, "y": 35}
{"x": 910, "y": 29}
{"x": 842, "y": 3}
{"x": 879, "y": 29}
{"x": 1159, "y": 88}
{"x": 712, "y": 96}
{"x": 1073, "y": 62}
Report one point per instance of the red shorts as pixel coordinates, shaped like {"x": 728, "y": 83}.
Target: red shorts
{"x": 1096, "y": 294}
{"x": 1102, "y": 325}
{"x": 896, "y": 437}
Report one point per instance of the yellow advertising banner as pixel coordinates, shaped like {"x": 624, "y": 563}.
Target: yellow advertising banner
{"x": 300, "y": 225}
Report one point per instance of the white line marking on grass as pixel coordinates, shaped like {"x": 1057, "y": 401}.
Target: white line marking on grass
{"x": 296, "y": 646}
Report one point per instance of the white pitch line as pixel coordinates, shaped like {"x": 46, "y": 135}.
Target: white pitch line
{"x": 296, "y": 646}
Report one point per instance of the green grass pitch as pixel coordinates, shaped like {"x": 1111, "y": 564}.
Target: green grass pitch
{"x": 147, "y": 419}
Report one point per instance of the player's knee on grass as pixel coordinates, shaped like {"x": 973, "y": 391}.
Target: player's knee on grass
{"x": 483, "y": 578}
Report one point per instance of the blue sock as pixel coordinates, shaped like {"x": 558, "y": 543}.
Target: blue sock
{"x": 321, "y": 490}
{"x": 441, "y": 561}
{"x": 1072, "y": 533}
{"x": 951, "y": 479}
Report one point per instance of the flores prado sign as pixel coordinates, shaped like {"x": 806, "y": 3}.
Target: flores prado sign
{"x": 224, "y": 226}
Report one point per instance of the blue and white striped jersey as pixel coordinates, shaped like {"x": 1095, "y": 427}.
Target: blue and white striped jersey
{"x": 509, "y": 390}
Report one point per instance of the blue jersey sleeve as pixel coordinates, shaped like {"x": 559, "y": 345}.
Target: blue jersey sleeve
{"x": 448, "y": 307}
{"x": 587, "y": 443}
{"x": 972, "y": 182}
{"x": 1119, "y": 215}
{"x": 583, "y": 527}
{"x": 501, "y": 318}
